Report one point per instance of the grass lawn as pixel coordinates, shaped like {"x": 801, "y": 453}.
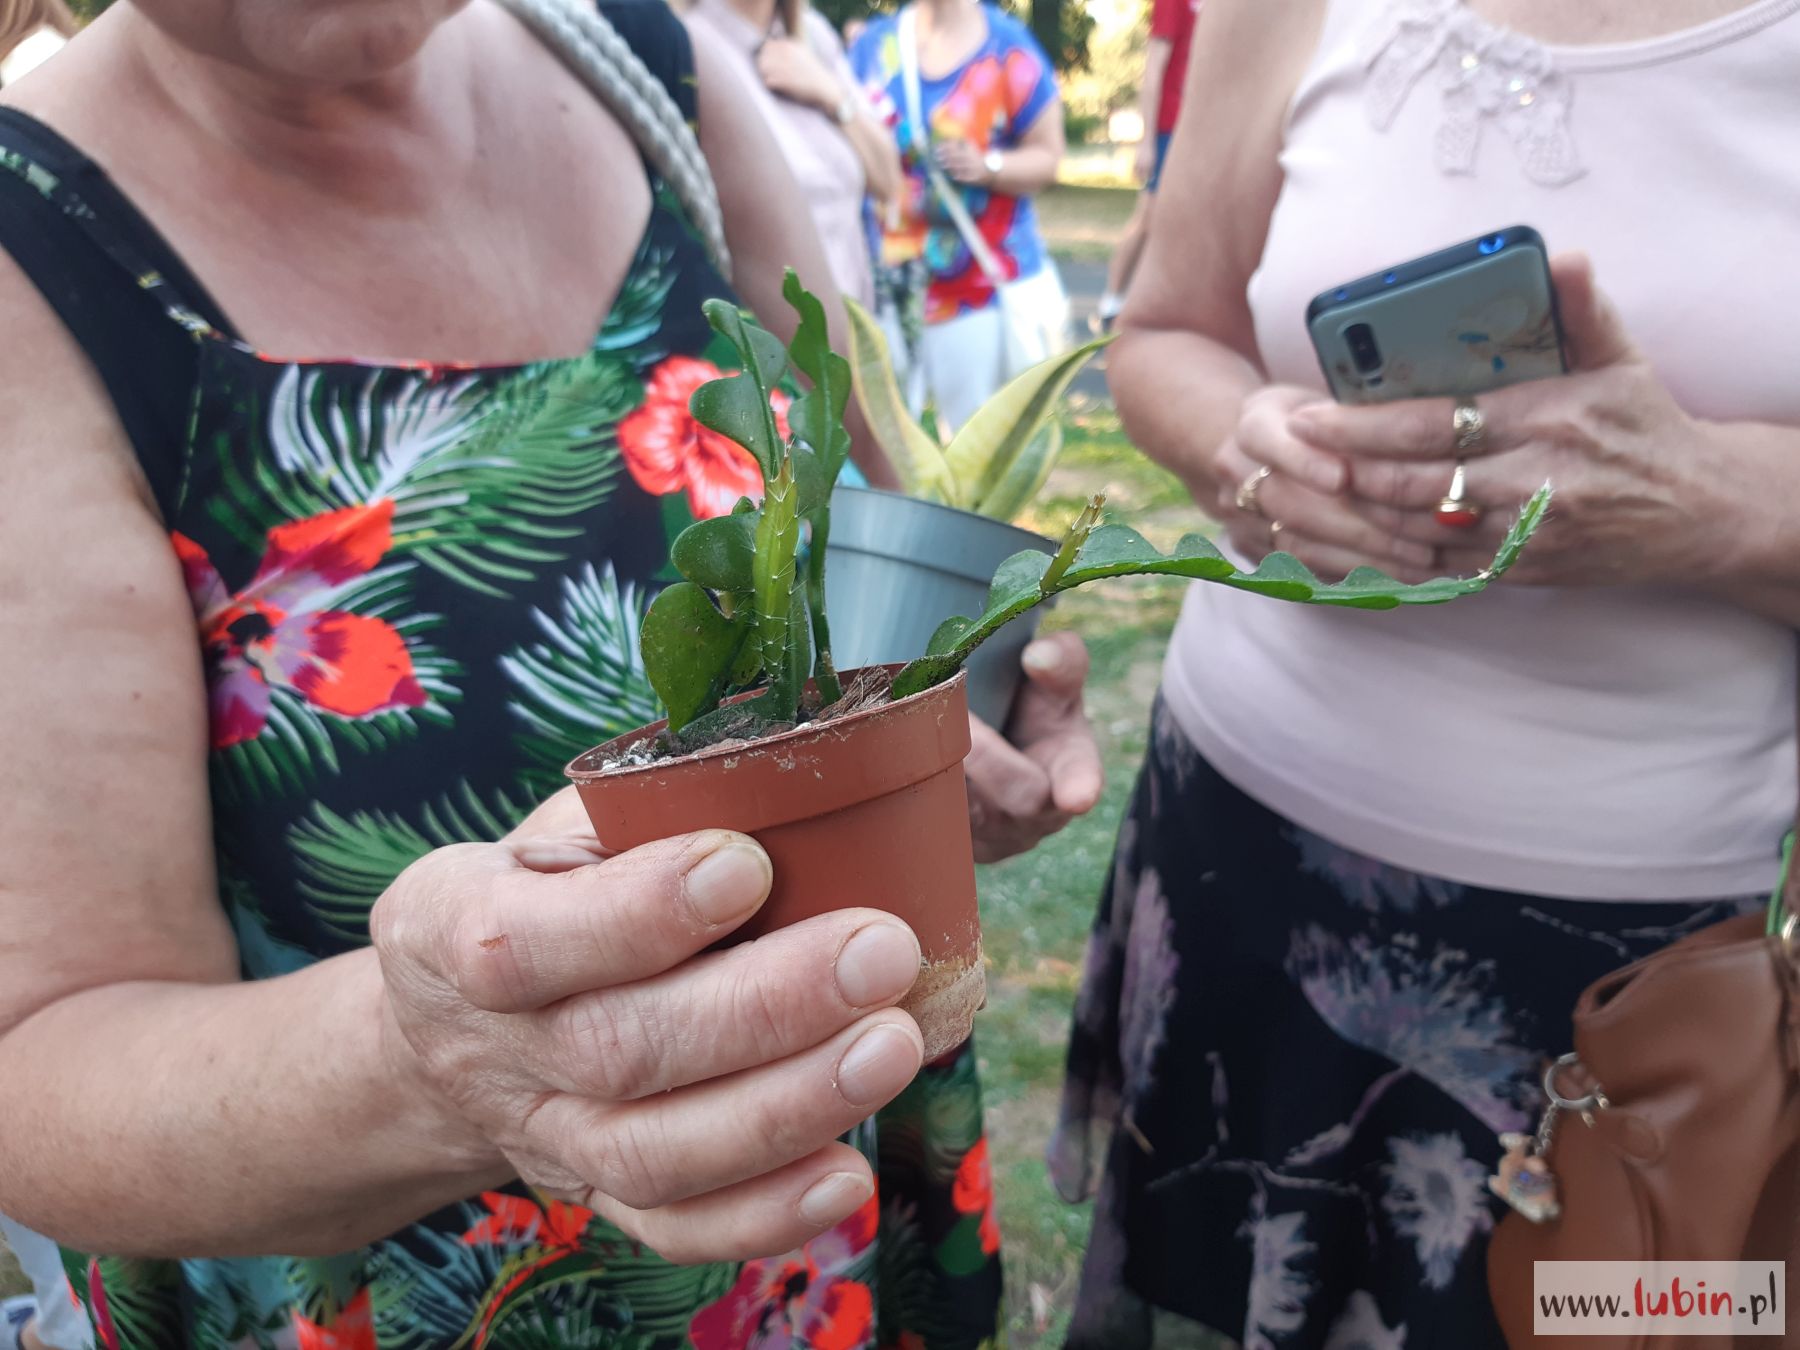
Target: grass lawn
{"x": 1084, "y": 221}
{"x": 1037, "y": 908}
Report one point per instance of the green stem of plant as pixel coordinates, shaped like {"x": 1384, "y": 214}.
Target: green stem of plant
{"x": 824, "y": 672}
{"x": 1071, "y": 545}
{"x": 777, "y": 541}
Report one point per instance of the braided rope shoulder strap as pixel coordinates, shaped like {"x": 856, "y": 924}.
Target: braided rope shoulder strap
{"x": 593, "y": 49}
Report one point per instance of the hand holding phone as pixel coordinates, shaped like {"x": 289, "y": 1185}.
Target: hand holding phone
{"x": 1458, "y": 322}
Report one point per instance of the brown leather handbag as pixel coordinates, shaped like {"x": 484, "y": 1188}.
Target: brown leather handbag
{"x": 1673, "y": 1132}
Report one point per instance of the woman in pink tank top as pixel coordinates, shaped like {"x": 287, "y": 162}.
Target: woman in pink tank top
{"x": 1373, "y": 858}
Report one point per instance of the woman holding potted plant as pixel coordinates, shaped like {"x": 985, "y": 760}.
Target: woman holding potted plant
{"x": 1371, "y": 864}
{"x": 297, "y": 984}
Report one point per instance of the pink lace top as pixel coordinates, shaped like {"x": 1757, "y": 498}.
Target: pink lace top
{"x": 1587, "y": 743}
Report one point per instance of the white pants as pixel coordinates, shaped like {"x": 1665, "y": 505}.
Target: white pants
{"x": 58, "y": 1324}
{"x": 962, "y": 362}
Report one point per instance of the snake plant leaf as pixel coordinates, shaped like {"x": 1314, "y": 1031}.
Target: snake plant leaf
{"x": 717, "y": 553}
{"x": 1025, "y": 480}
{"x": 982, "y": 453}
{"x": 916, "y": 457}
{"x": 817, "y": 416}
{"x": 689, "y": 649}
{"x": 737, "y": 406}
{"x": 1117, "y": 550}
{"x": 777, "y": 544}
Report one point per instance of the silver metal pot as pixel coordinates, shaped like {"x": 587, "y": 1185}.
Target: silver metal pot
{"x": 896, "y": 567}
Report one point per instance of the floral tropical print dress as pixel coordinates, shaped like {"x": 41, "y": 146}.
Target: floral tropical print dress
{"x": 991, "y": 100}
{"x": 1303, "y": 1058}
{"x": 416, "y": 591}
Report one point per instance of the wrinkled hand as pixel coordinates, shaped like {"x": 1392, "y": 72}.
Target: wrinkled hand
{"x": 1325, "y": 530}
{"x": 791, "y": 71}
{"x": 563, "y": 1007}
{"x": 1644, "y": 493}
{"x": 1023, "y": 790}
{"x": 962, "y": 162}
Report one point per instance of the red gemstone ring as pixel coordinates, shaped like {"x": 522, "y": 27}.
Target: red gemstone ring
{"x": 1456, "y": 510}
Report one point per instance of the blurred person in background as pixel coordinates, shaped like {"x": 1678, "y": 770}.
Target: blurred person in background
{"x": 1159, "y": 104}
{"x": 31, "y": 31}
{"x": 966, "y": 288}
{"x": 1373, "y": 859}
{"x": 840, "y": 154}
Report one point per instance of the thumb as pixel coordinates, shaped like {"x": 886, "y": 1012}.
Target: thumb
{"x": 1591, "y": 326}
{"x": 1057, "y": 665}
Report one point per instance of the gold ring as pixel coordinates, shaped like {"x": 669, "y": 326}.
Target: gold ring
{"x": 1275, "y": 528}
{"x": 1246, "y": 494}
{"x": 1455, "y": 509}
{"x": 1468, "y": 424}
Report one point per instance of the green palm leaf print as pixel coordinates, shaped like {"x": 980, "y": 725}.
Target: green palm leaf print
{"x": 482, "y": 472}
{"x": 346, "y": 862}
{"x": 585, "y": 682}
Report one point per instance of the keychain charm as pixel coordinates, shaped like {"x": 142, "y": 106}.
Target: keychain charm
{"x": 1524, "y": 1179}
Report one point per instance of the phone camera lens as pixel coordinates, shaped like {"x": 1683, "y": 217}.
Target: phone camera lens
{"x": 1493, "y": 243}
{"x": 1390, "y": 278}
{"x": 1361, "y": 340}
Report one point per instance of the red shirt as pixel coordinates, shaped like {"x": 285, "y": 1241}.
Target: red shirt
{"x": 1173, "y": 22}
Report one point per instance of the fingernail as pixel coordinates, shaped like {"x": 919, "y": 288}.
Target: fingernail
{"x": 836, "y": 1197}
{"x": 729, "y": 882}
{"x": 877, "y": 965}
{"x": 873, "y": 1070}
{"x": 1042, "y": 658}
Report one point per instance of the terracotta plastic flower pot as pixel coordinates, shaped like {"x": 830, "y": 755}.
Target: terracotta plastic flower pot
{"x": 863, "y": 810}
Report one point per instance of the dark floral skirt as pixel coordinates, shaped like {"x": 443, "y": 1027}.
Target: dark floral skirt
{"x": 1302, "y": 1057}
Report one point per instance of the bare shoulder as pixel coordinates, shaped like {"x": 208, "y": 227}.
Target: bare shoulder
{"x": 105, "y": 868}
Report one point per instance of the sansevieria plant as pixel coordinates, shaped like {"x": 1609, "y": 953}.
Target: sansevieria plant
{"x": 996, "y": 462}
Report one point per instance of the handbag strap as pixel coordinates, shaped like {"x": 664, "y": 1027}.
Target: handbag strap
{"x": 592, "y": 48}
{"x": 947, "y": 195}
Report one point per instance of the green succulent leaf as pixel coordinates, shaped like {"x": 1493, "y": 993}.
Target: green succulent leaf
{"x": 984, "y": 450}
{"x": 717, "y": 553}
{"x": 777, "y": 546}
{"x": 737, "y": 406}
{"x": 1027, "y": 579}
{"x": 916, "y": 457}
{"x": 817, "y": 416}
{"x": 689, "y": 650}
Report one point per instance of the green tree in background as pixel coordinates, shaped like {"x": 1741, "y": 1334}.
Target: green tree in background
{"x": 1064, "y": 28}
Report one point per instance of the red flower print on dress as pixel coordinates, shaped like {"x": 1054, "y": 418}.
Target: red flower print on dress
{"x": 974, "y": 1194}
{"x": 279, "y": 632}
{"x": 351, "y": 1329}
{"x": 668, "y": 451}
{"x": 799, "y": 1301}
{"x": 104, "y": 1327}
{"x": 548, "y": 1234}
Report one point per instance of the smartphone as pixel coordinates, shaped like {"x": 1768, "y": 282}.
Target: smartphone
{"x": 1457, "y": 322}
